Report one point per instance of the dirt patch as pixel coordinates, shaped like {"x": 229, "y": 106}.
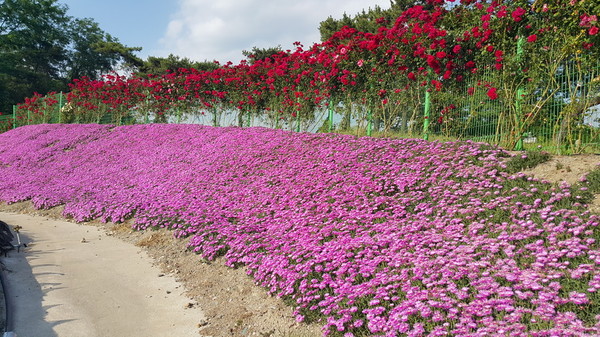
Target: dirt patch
{"x": 233, "y": 304}
{"x": 565, "y": 168}
{"x": 568, "y": 169}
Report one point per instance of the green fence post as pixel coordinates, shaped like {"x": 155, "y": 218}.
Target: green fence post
{"x": 60, "y": 106}
{"x": 519, "y": 115}
{"x": 426, "y": 115}
{"x": 370, "y": 116}
{"x": 519, "y": 98}
{"x": 520, "y": 43}
{"x": 370, "y": 122}
{"x": 147, "y": 119}
{"x": 249, "y": 122}
{"x": 14, "y": 116}
{"x": 298, "y": 112}
{"x": 330, "y": 117}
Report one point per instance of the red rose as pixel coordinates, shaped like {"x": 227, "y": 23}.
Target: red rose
{"x": 532, "y": 38}
{"x": 517, "y": 14}
{"x": 492, "y": 94}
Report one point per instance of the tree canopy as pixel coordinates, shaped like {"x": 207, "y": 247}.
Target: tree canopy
{"x": 158, "y": 66}
{"x": 42, "y": 49}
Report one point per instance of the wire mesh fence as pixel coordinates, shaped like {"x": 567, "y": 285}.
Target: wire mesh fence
{"x": 560, "y": 113}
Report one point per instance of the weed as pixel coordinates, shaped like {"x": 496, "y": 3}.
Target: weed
{"x": 527, "y": 160}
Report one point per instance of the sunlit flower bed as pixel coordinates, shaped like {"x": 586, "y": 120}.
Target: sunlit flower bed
{"x": 367, "y": 236}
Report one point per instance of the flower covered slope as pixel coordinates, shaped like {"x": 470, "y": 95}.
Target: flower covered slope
{"x": 367, "y": 236}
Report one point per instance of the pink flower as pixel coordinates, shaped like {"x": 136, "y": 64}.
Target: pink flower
{"x": 587, "y": 20}
{"x": 593, "y": 30}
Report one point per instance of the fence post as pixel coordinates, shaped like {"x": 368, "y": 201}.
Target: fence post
{"x": 370, "y": 122}
{"x": 330, "y": 117}
{"x": 298, "y": 112}
{"x": 426, "y": 115}
{"x": 519, "y": 98}
{"x": 147, "y": 119}
{"x": 519, "y": 111}
{"x": 60, "y": 106}
{"x": 14, "y": 116}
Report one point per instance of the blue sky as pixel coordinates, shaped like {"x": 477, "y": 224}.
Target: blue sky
{"x": 213, "y": 29}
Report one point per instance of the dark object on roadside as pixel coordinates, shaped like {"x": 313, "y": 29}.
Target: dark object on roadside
{"x": 6, "y": 238}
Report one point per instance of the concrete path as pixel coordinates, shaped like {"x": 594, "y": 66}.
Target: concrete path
{"x": 73, "y": 280}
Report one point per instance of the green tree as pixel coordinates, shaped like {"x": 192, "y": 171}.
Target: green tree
{"x": 32, "y": 48}
{"x": 261, "y": 54}
{"x": 94, "y": 52}
{"x": 42, "y": 49}
{"x": 158, "y": 66}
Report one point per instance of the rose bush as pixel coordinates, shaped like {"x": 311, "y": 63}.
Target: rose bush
{"x": 381, "y": 76}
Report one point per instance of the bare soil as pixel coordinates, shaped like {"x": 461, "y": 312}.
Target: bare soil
{"x": 232, "y": 303}
{"x": 567, "y": 169}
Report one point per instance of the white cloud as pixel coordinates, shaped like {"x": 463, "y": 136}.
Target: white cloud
{"x": 220, "y": 30}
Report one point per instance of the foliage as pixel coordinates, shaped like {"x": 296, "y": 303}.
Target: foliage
{"x": 42, "y": 49}
{"x": 94, "y": 52}
{"x": 161, "y": 66}
{"x": 526, "y": 160}
{"x": 261, "y": 54}
{"x": 592, "y": 181}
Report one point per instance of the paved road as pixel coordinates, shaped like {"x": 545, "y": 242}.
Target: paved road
{"x": 63, "y": 287}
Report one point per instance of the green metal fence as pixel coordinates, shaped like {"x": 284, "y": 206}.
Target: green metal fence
{"x": 560, "y": 113}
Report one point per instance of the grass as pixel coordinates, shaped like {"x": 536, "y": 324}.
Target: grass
{"x": 527, "y": 160}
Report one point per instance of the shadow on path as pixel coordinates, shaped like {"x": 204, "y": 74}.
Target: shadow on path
{"x": 25, "y": 295}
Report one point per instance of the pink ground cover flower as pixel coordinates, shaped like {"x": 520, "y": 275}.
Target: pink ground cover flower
{"x": 371, "y": 236}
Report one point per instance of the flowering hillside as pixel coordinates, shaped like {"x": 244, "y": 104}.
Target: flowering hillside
{"x": 367, "y": 236}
